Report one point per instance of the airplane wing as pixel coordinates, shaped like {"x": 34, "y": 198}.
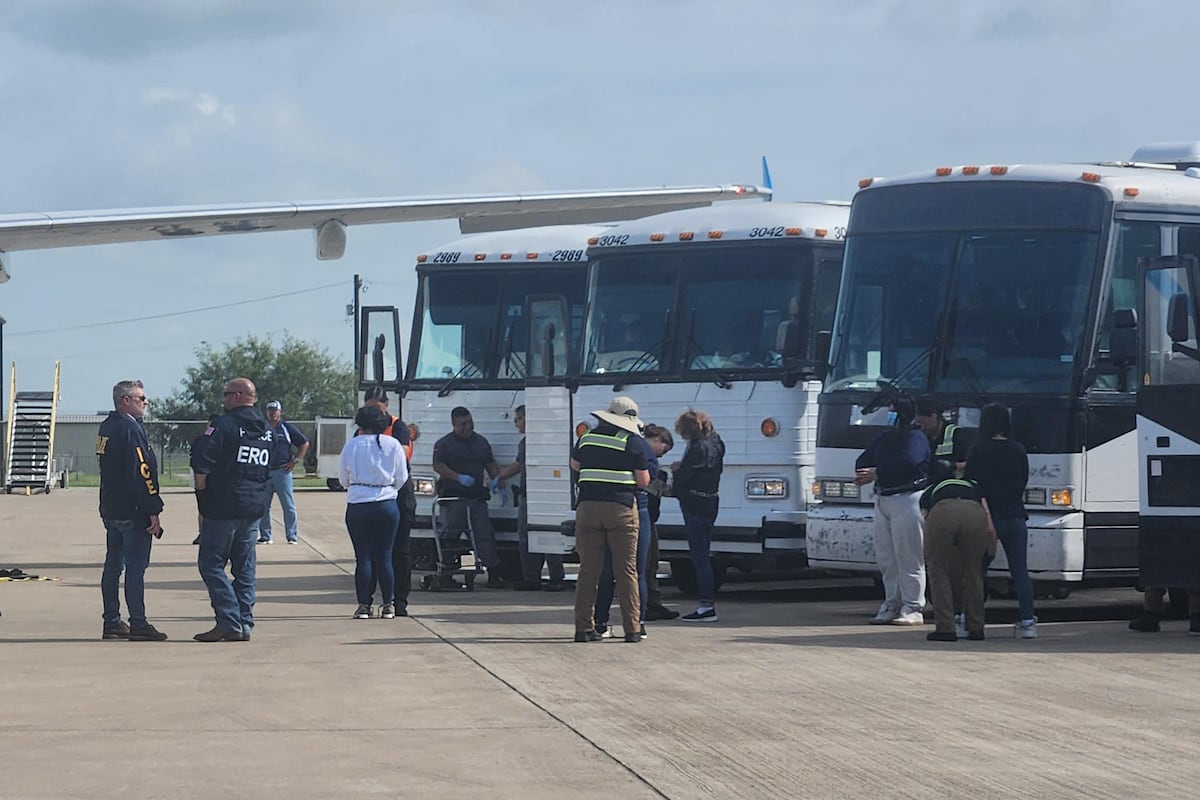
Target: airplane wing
{"x": 475, "y": 213}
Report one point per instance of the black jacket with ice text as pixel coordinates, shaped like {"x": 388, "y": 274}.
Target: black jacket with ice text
{"x": 128, "y": 469}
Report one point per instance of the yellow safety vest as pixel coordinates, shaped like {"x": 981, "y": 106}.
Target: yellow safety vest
{"x": 946, "y": 446}
{"x": 608, "y": 442}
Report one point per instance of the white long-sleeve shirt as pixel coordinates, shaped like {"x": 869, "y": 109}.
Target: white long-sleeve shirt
{"x": 373, "y": 468}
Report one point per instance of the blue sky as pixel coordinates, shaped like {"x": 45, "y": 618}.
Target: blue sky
{"x": 142, "y": 103}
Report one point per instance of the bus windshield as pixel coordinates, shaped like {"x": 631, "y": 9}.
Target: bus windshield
{"x": 983, "y": 310}
{"x": 473, "y": 323}
{"x": 707, "y": 307}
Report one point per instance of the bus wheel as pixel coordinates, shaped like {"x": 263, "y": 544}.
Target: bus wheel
{"x": 684, "y": 575}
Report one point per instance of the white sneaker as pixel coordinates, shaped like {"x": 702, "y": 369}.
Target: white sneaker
{"x": 960, "y": 625}
{"x": 605, "y": 631}
{"x": 913, "y": 616}
{"x": 1026, "y": 629}
{"x": 362, "y": 612}
{"x": 885, "y": 615}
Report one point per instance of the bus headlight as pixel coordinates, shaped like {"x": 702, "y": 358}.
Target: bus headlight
{"x": 766, "y": 487}
{"x": 1035, "y": 497}
{"x": 845, "y": 490}
{"x": 424, "y": 486}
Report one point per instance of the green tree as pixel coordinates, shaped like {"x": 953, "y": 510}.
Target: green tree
{"x": 304, "y": 377}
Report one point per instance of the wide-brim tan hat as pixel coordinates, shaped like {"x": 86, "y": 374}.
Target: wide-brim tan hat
{"x": 623, "y": 413}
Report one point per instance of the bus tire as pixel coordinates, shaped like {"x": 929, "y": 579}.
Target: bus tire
{"x": 683, "y": 575}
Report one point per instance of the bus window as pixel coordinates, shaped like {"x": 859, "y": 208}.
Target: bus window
{"x": 1135, "y": 240}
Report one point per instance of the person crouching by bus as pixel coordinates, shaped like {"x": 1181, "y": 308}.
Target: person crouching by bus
{"x": 958, "y": 532}
{"x": 897, "y": 462}
{"x": 696, "y": 484}
{"x": 373, "y": 469}
{"x": 610, "y": 464}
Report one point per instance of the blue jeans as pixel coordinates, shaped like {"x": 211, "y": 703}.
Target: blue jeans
{"x": 699, "y": 535}
{"x": 372, "y": 528}
{"x": 280, "y": 483}
{"x": 604, "y": 596}
{"x": 229, "y": 541}
{"x": 128, "y": 549}
{"x": 1014, "y": 538}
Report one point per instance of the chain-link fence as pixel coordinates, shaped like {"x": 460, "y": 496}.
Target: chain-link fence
{"x": 75, "y": 447}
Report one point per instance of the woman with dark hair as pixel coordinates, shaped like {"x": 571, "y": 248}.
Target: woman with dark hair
{"x": 696, "y": 484}
{"x": 897, "y": 462}
{"x": 1000, "y": 467}
{"x": 373, "y": 470}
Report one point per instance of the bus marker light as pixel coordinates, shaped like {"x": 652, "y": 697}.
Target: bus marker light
{"x": 1060, "y": 497}
{"x": 480, "y": 256}
{"x": 421, "y": 259}
{"x": 531, "y": 256}
{"x": 686, "y": 236}
{"x": 793, "y": 231}
{"x": 657, "y": 237}
{"x": 942, "y": 172}
{"x": 999, "y": 170}
{"x": 715, "y": 234}
{"x": 1090, "y": 177}
{"x": 769, "y": 427}
{"x": 821, "y": 233}
{"x": 593, "y": 241}
{"x": 1131, "y": 191}
{"x": 505, "y": 256}
{"x": 865, "y": 182}
{"x": 970, "y": 170}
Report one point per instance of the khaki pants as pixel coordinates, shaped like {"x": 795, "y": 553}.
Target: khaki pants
{"x": 956, "y": 538}
{"x": 601, "y": 526}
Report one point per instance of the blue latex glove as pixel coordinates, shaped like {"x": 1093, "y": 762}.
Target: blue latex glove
{"x": 494, "y": 484}
{"x": 466, "y": 480}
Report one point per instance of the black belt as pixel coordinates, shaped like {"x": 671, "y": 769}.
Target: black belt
{"x": 695, "y": 493}
{"x": 374, "y": 485}
{"x": 898, "y": 490}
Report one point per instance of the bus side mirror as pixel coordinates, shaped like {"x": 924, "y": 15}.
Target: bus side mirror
{"x": 1177, "y": 317}
{"x": 1123, "y": 344}
{"x": 548, "y": 334}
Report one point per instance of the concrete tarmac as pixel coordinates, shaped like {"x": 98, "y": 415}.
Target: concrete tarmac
{"x": 483, "y": 694}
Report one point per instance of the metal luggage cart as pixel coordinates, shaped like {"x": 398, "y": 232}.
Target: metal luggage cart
{"x": 451, "y": 547}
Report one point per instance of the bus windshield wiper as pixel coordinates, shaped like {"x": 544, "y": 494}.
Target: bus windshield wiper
{"x": 694, "y": 350}
{"x": 448, "y": 386}
{"x": 948, "y": 360}
{"x": 657, "y": 353}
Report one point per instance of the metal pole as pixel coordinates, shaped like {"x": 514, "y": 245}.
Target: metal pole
{"x": 358, "y": 356}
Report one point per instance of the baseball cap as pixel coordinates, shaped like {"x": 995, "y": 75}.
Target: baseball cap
{"x": 275, "y": 404}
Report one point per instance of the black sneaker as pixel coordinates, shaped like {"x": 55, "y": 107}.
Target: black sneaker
{"x": 118, "y": 631}
{"x": 219, "y": 634}
{"x": 146, "y": 633}
{"x": 587, "y": 636}
{"x": 553, "y": 586}
{"x": 1147, "y": 622}
{"x": 708, "y": 615}
{"x": 975, "y": 636}
{"x": 941, "y": 636}
{"x": 633, "y": 638}
{"x": 660, "y": 612}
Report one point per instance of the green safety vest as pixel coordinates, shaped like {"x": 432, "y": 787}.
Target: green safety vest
{"x": 946, "y": 446}
{"x": 608, "y": 442}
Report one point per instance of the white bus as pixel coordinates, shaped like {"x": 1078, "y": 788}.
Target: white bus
{"x": 1168, "y": 426}
{"x": 717, "y": 309}
{"x": 468, "y": 347}
{"x": 1010, "y": 283}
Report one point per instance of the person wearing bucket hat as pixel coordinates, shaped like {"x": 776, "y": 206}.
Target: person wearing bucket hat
{"x": 610, "y": 464}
